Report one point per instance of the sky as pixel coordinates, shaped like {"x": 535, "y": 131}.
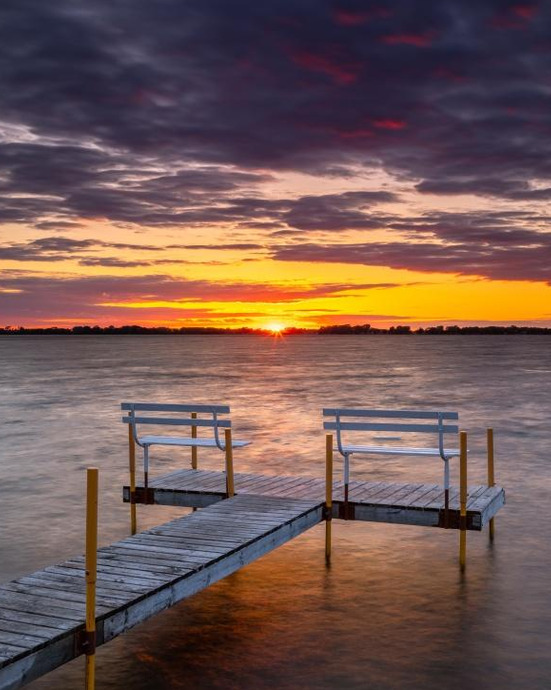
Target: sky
{"x": 295, "y": 162}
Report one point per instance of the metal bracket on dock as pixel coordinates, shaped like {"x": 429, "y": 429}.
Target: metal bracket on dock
{"x": 457, "y": 521}
{"x": 347, "y": 511}
{"x": 85, "y": 642}
{"x": 142, "y": 495}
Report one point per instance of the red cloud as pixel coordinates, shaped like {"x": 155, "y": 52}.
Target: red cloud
{"x": 356, "y": 18}
{"x": 350, "y": 18}
{"x": 515, "y": 17}
{"x": 340, "y": 71}
{"x": 417, "y": 40}
{"x": 524, "y": 11}
{"x": 389, "y": 124}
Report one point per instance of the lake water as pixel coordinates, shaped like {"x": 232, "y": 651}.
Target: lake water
{"x": 392, "y": 612}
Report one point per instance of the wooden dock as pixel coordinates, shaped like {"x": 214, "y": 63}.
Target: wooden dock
{"x": 42, "y": 615}
{"x": 408, "y": 504}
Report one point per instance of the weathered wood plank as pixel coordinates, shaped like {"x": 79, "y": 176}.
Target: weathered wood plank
{"x": 35, "y": 619}
{"x": 496, "y": 501}
{"x": 24, "y": 656}
{"x": 414, "y": 498}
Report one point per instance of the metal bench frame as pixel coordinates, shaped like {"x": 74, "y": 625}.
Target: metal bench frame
{"x": 418, "y": 421}
{"x": 212, "y": 421}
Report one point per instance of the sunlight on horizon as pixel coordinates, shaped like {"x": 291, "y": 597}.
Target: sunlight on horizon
{"x": 275, "y": 328}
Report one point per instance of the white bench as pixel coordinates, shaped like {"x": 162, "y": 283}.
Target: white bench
{"x": 393, "y": 421}
{"x": 182, "y": 415}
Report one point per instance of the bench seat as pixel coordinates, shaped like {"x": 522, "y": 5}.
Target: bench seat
{"x": 398, "y": 450}
{"x": 197, "y": 417}
{"x": 186, "y": 441}
{"x": 379, "y": 423}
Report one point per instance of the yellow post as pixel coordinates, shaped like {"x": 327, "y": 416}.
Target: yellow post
{"x": 491, "y": 477}
{"x": 328, "y": 495}
{"x": 229, "y": 463}
{"x": 91, "y": 574}
{"x": 194, "y": 448}
{"x": 462, "y": 499}
{"x": 132, "y": 466}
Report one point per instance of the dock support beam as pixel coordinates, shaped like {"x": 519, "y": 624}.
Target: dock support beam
{"x": 491, "y": 476}
{"x": 462, "y": 499}
{"x": 132, "y": 468}
{"x": 230, "y": 489}
{"x": 328, "y": 495}
{"x": 89, "y": 643}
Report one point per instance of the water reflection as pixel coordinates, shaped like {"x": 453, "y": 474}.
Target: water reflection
{"x": 393, "y": 611}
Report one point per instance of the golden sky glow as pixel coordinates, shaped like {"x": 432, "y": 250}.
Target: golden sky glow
{"x": 246, "y": 287}
{"x": 317, "y": 167}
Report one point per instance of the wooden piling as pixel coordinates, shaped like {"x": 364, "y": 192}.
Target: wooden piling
{"x": 132, "y": 467}
{"x": 328, "y": 495}
{"x": 230, "y": 489}
{"x": 491, "y": 476}
{"x": 194, "y": 448}
{"x": 89, "y": 645}
{"x": 462, "y": 499}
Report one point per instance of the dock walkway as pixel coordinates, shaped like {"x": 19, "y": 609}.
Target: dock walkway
{"x": 42, "y": 615}
{"x": 410, "y": 504}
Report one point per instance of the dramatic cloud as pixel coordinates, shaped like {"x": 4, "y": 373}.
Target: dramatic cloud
{"x": 500, "y": 263}
{"x": 434, "y": 91}
{"x": 327, "y": 131}
{"x": 29, "y": 296}
{"x": 60, "y": 248}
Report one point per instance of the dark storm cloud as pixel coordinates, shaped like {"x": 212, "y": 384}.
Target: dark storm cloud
{"x": 498, "y": 229}
{"x": 59, "y": 225}
{"x": 288, "y": 84}
{"x": 499, "y": 245}
{"x": 173, "y": 113}
{"x": 497, "y": 262}
{"x": 90, "y": 183}
{"x": 60, "y": 248}
{"x": 336, "y": 212}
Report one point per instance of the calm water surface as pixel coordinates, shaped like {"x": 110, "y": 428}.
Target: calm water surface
{"x": 392, "y": 611}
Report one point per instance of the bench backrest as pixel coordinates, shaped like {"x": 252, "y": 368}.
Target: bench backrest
{"x": 402, "y": 421}
{"x": 156, "y": 411}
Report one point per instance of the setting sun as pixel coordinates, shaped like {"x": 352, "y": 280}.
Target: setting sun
{"x": 275, "y": 328}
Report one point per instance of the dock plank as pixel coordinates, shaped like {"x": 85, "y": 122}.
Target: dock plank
{"x": 41, "y": 614}
{"x": 187, "y": 555}
{"x": 415, "y": 504}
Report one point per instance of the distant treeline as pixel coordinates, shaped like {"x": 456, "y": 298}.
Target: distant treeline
{"x": 366, "y": 329}
{"x": 343, "y": 329}
{"x": 126, "y": 330}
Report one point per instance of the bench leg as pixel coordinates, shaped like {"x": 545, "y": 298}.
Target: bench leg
{"x": 446, "y": 494}
{"x": 132, "y": 469}
{"x": 145, "y": 467}
{"x": 346, "y": 481}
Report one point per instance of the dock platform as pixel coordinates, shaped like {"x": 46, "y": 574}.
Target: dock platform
{"x": 42, "y": 615}
{"x": 408, "y": 504}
